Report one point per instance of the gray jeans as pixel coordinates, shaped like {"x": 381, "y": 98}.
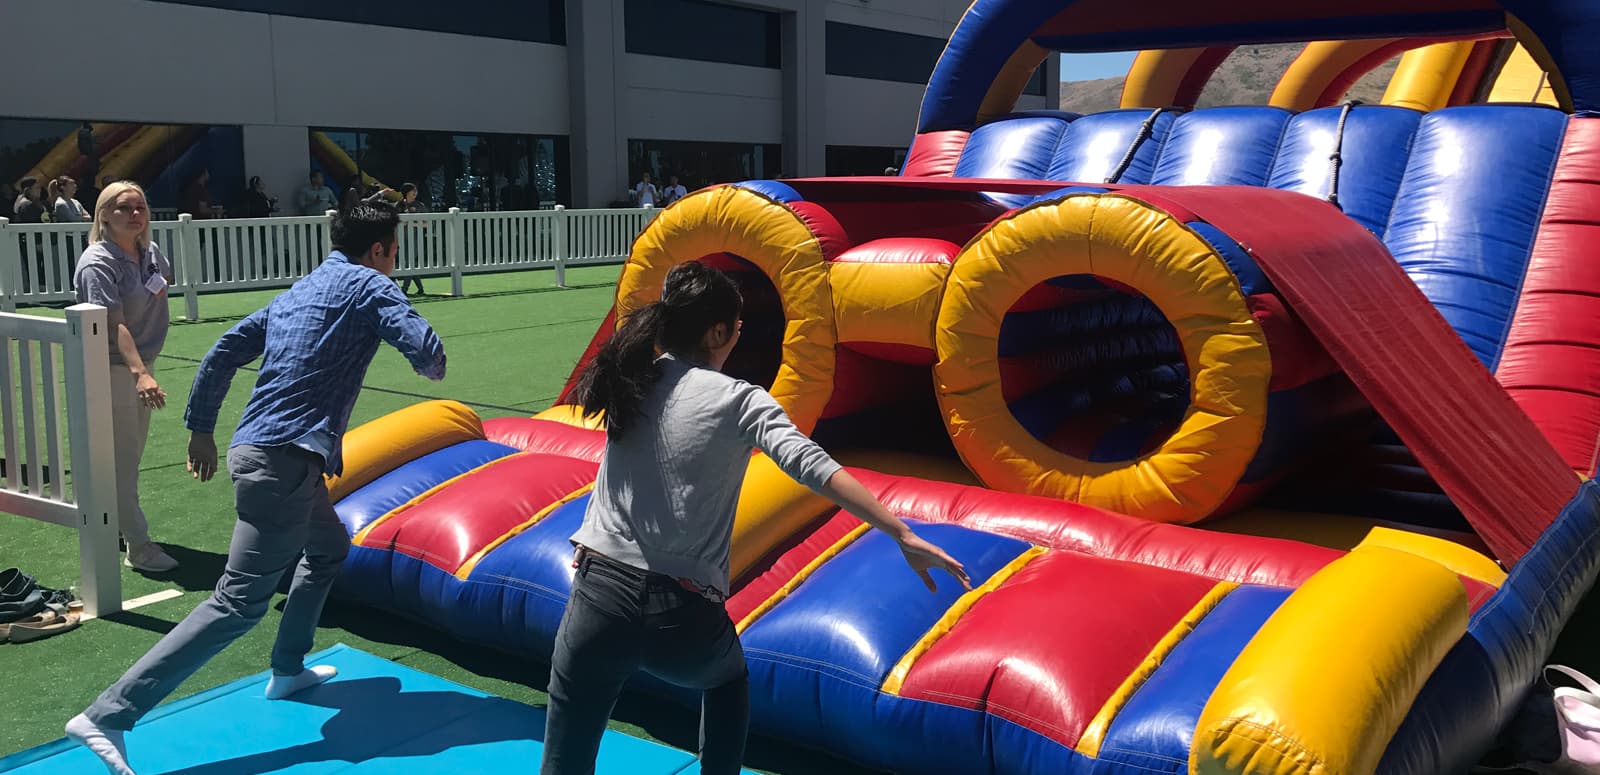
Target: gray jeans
{"x": 620, "y": 620}
{"x": 283, "y": 509}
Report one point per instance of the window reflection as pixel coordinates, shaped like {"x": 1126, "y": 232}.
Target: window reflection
{"x": 700, "y": 164}
{"x": 474, "y": 172}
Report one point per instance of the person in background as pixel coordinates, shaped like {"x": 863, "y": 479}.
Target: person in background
{"x": 652, "y": 580}
{"x": 123, "y": 271}
{"x": 315, "y": 198}
{"x": 67, "y": 209}
{"x": 29, "y": 206}
{"x": 196, "y": 197}
{"x": 315, "y": 342}
{"x": 411, "y": 205}
{"x": 91, "y": 197}
{"x": 89, "y": 149}
{"x": 673, "y": 192}
{"x": 254, "y": 202}
{"x": 645, "y": 194}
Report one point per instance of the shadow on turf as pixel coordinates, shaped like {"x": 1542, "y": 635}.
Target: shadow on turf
{"x": 662, "y": 719}
{"x": 197, "y": 570}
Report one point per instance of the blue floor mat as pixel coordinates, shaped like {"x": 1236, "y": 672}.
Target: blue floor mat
{"x": 375, "y": 717}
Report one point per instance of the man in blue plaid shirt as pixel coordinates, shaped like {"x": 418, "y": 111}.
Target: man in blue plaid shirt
{"x": 316, "y": 341}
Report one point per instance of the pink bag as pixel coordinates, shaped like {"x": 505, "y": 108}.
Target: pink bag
{"x": 1574, "y": 743}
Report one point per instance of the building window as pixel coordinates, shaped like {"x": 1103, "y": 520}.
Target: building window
{"x": 164, "y": 159}
{"x": 1036, "y": 82}
{"x": 699, "y": 164}
{"x": 884, "y": 55}
{"x": 709, "y": 32}
{"x": 535, "y": 21}
{"x": 854, "y": 160}
{"x": 474, "y": 172}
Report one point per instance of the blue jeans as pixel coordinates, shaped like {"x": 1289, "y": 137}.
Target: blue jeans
{"x": 620, "y": 620}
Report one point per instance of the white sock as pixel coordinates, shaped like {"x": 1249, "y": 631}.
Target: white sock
{"x": 104, "y": 743}
{"x": 282, "y": 686}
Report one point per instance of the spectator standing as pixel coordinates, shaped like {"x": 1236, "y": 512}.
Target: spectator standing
{"x": 645, "y": 194}
{"x": 255, "y": 202}
{"x": 29, "y": 206}
{"x": 66, "y": 209}
{"x": 673, "y": 192}
{"x": 411, "y": 205}
{"x": 196, "y": 197}
{"x": 123, "y": 271}
{"x": 316, "y": 198}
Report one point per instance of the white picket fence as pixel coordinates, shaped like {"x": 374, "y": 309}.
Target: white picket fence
{"x": 38, "y": 356}
{"x": 210, "y": 256}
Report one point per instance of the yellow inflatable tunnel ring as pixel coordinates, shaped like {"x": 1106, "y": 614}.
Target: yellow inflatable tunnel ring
{"x": 773, "y": 238}
{"x": 1130, "y": 242}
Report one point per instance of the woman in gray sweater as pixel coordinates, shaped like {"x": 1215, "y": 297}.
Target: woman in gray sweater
{"x": 652, "y": 554}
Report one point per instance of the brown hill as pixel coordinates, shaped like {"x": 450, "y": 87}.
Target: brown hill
{"x": 1246, "y": 77}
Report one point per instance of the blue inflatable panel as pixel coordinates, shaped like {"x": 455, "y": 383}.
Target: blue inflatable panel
{"x": 1291, "y": 415}
{"x": 1508, "y": 640}
{"x": 1155, "y": 728}
{"x": 1221, "y": 147}
{"x": 832, "y": 641}
{"x": 772, "y": 189}
{"x": 1465, "y": 218}
{"x": 375, "y": 718}
{"x": 1094, "y": 145}
{"x": 1377, "y": 141}
{"x": 1025, "y": 332}
{"x": 384, "y": 494}
{"x": 1017, "y": 148}
{"x": 967, "y": 67}
{"x": 1251, "y": 279}
{"x": 520, "y": 589}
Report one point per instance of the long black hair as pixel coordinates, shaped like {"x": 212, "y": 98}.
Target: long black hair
{"x": 694, "y": 297}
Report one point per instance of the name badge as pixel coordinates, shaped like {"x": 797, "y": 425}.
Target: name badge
{"x": 156, "y": 284}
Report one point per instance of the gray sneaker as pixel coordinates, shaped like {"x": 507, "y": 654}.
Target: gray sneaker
{"x": 149, "y": 557}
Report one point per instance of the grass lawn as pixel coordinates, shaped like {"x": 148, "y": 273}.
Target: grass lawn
{"x": 512, "y": 343}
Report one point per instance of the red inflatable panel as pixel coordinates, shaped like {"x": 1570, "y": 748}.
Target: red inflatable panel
{"x": 1492, "y": 461}
{"x": 607, "y": 328}
{"x": 546, "y": 437}
{"x": 1551, "y": 361}
{"x": 453, "y": 524}
{"x": 1089, "y": 622}
{"x": 775, "y": 571}
{"x": 1060, "y": 525}
{"x": 902, "y": 250}
{"x": 935, "y": 153}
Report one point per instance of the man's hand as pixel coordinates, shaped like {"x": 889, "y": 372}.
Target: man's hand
{"x": 922, "y": 556}
{"x": 150, "y": 394}
{"x": 202, "y": 456}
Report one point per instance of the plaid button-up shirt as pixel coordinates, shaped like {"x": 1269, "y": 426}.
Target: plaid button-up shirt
{"x": 315, "y": 340}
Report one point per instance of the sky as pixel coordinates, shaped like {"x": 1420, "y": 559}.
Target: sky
{"x": 1087, "y": 67}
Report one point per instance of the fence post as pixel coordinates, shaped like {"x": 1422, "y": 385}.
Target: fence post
{"x": 560, "y": 247}
{"x": 10, "y": 262}
{"x": 94, "y": 474}
{"x": 189, "y": 258}
{"x": 455, "y": 248}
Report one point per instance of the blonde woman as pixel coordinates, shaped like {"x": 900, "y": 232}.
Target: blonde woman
{"x": 123, "y": 271}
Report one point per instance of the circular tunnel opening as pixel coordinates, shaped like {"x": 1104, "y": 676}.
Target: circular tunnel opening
{"x": 755, "y": 359}
{"x": 1093, "y": 369}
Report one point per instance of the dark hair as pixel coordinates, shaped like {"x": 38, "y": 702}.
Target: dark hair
{"x": 27, "y": 183}
{"x": 357, "y": 228}
{"x": 694, "y": 297}
{"x": 314, "y": 173}
{"x": 254, "y": 179}
{"x": 408, "y": 188}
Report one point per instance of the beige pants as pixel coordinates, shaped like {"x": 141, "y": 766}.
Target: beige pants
{"x": 130, "y": 425}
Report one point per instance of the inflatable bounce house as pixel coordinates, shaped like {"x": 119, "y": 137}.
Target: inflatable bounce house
{"x": 1265, "y": 432}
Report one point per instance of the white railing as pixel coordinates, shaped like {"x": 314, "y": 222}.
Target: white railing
{"x": 209, "y": 256}
{"x": 35, "y": 470}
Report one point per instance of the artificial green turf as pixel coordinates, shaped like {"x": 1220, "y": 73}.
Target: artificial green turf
{"x": 511, "y": 342}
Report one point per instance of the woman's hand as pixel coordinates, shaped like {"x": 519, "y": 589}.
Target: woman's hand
{"x": 922, "y": 555}
{"x": 150, "y": 394}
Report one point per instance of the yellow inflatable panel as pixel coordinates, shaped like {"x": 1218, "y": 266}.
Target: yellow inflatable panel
{"x": 1132, "y": 243}
{"x": 1010, "y": 81}
{"x": 1523, "y": 80}
{"x": 772, "y": 508}
{"x": 887, "y": 303}
{"x": 1155, "y": 76}
{"x": 1459, "y": 559}
{"x": 1428, "y": 75}
{"x": 380, "y": 446}
{"x": 729, "y": 219}
{"x": 1324, "y": 684}
{"x": 572, "y": 414}
{"x": 1318, "y": 66}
